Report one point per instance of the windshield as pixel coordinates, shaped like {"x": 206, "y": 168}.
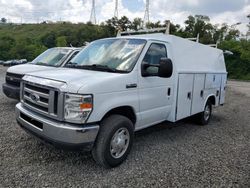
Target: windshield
{"x": 118, "y": 55}
{"x": 51, "y": 57}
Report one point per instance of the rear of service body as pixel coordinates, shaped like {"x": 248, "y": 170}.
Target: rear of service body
{"x": 117, "y": 86}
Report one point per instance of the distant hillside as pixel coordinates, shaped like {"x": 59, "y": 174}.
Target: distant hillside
{"x": 29, "y": 40}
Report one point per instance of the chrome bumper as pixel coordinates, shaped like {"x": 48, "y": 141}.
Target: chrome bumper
{"x": 55, "y": 132}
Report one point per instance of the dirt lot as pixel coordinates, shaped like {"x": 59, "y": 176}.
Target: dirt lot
{"x": 166, "y": 155}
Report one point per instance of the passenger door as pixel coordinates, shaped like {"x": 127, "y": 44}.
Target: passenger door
{"x": 155, "y": 93}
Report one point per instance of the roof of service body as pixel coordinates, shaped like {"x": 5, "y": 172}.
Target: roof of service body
{"x": 189, "y": 56}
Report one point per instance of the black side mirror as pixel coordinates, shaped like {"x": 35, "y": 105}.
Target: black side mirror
{"x": 165, "y": 68}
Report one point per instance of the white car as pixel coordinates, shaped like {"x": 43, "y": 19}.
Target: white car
{"x": 117, "y": 86}
{"x": 50, "y": 59}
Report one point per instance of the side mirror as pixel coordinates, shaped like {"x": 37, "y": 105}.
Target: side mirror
{"x": 165, "y": 68}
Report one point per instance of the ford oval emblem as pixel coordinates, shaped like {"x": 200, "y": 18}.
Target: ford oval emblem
{"x": 34, "y": 97}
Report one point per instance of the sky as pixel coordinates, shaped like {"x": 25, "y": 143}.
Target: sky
{"x": 33, "y": 11}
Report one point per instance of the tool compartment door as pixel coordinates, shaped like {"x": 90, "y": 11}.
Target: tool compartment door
{"x": 223, "y": 88}
{"x": 184, "y": 100}
{"x": 198, "y": 98}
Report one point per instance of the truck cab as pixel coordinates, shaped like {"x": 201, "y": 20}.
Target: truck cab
{"x": 50, "y": 59}
{"x": 117, "y": 86}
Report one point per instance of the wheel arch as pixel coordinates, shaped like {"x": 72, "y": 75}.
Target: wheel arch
{"x": 212, "y": 98}
{"x": 126, "y": 111}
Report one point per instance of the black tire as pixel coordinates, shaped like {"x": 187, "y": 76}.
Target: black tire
{"x": 101, "y": 151}
{"x": 203, "y": 118}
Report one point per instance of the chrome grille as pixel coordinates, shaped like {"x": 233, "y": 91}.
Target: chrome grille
{"x": 41, "y": 99}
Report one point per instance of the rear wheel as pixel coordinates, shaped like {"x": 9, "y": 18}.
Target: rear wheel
{"x": 204, "y": 117}
{"x": 114, "y": 141}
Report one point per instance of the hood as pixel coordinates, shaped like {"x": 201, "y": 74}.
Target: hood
{"x": 27, "y": 68}
{"x": 87, "y": 81}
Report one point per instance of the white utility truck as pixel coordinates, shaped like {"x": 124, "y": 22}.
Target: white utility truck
{"x": 117, "y": 86}
{"x": 51, "y": 58}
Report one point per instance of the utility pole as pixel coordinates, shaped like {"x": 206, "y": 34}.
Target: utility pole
{"x": 146, "y": 15}
{"x": 116, "y": 9}
{"x": 93, "y": 15}
{"x": 168, "y": 24}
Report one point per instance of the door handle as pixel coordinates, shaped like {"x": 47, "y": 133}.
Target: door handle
{"x": 128, "y": 86}
{"x": 189, "y": 95}
{"x": 202, "y": 93}
{"x": 169, "y": 91}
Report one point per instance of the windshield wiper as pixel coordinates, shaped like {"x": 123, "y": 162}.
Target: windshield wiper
{"x": 96, "y": 67}
{"x": 71, "y": 64}
{"x": 44, "y": 64}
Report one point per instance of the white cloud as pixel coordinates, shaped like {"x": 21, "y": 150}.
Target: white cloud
{"x": 233, "y": 17}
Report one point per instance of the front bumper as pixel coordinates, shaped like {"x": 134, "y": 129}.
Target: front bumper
{"x": 59, "y": 134}
{"x": 11, "y": 91}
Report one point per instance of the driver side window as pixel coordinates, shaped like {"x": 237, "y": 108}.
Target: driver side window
{"x": 155, "y": 52}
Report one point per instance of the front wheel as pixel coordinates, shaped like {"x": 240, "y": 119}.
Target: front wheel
{"x": 114, "y": 141}
{"x": 204, "y": 117}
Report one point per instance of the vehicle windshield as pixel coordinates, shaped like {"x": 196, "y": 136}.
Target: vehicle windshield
{"x": 111, "y": 55}
{"x": 51, "y": 57}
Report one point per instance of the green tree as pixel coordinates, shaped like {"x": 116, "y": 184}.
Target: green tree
{"x": 151, "y": 25}
{"x": 189, "y": 26}
{"x": 136, "y": 24}
{"x": 238, "y": 64}
{"x": 49, "y": 40}
{"x": 219, "y": 32}
{"x": 208, "y": 33}
{"x": 113, "y": 22}
{"x": 6, "y": 44}
{"x": 3, "y": 20}
{"x": 61, "y": 41}
{"x": 121, "y": 24}
{"x": 124, "y": 23}
{"x": 232, "y": 34}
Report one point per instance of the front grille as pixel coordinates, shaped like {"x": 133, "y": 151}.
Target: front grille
{"x": 41, "y": 99}
{"x": 13, "y": 79}
{"x": 14, "y": 75}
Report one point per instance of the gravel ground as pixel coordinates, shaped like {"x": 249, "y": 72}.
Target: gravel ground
{"x": 242, "y": 87}
{"x": 166, "y": 155}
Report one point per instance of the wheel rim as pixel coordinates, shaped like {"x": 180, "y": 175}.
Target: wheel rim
{"x": 119, "y": 143}
{"x": 207, "y": 113}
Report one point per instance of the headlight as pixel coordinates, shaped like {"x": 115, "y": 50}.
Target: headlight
{"x": 77, "y": 108}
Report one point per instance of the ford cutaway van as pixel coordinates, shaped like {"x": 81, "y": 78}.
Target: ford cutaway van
{"x": 117, "y": 86}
